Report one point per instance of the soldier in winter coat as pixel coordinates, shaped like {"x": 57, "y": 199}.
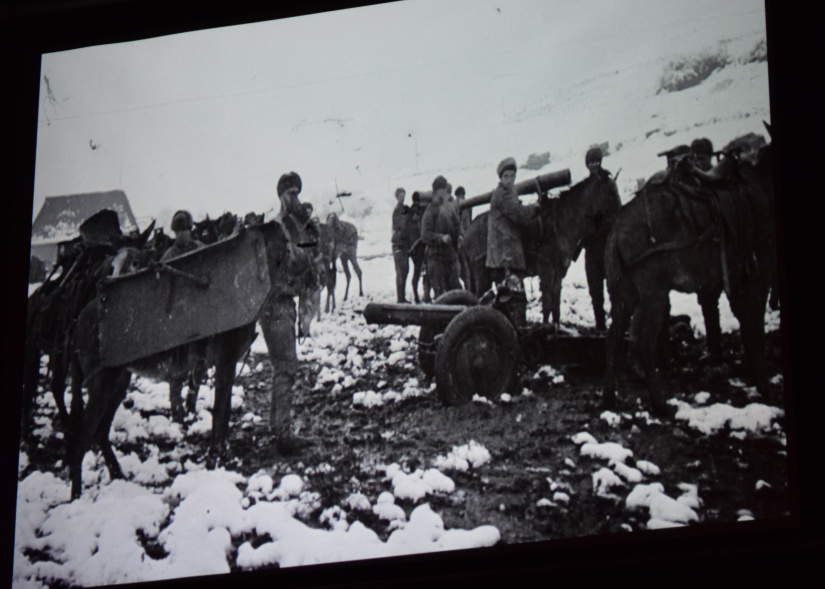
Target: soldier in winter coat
{"x": 184, "y": 242}
{"x": 594, "y": 247}
{"x": 401, "y": 243}
{"x": 441, "y": 231}
{"x": 505, "y": 254}
{"x": 278, "y": 314}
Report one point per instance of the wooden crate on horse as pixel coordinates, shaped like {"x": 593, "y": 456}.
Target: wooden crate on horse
{"x": 207, "y": 291}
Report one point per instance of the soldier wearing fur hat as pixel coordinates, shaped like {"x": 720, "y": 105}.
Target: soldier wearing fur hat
{"x": 294, "y": 216}
{"x": 441, "y": 232}
{"x": 505, "y": 254}
{"x": 278, "y": 315}
{"x": 184, "y": 242}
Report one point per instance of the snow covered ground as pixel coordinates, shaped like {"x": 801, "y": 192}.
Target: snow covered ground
{"x": 171, "y": 518}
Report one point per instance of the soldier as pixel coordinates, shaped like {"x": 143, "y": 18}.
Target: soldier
{"x": 418, "y": 250}
{"x": 400, "y": 243}
{"x": 594, "y": 247}
{"x": 278, "y": 315}
{"x": 505, "y": 255}
{"x": 184, "y": 243}
{"x": 441, "y": 231}
{"x": 701, "y": 152}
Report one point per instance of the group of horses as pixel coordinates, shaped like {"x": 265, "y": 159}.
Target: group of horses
{"x": 65, "y": 313}
{"x": 691, "y": 231}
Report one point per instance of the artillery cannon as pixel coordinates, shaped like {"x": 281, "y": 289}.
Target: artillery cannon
{"x": 536, "y": 185}
{"x": 473, "y": 347}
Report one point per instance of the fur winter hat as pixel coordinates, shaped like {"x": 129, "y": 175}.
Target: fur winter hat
{"x": 703, "y": 146}
{"x": 287, "y": 181}
{"x": 439, "y": 183}
{"x": 507, "y": 163}
{"x": 460, "y": 191}
{"x": 182, "y": 221}
{"x": 594, "y": 154}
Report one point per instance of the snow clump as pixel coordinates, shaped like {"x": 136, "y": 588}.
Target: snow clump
{"x": 416, "y": 485}
{"x": 755, "y": 417}
{"x": 462, "y": 457}
{"x": 606, "y": 451}
{"x": 664, "y": 510}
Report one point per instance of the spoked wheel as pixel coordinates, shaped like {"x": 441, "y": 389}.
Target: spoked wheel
{"x": 428, "y": 333}
{"x": 478, "y": 354}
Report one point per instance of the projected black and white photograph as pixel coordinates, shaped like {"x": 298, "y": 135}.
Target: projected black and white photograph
{"x": 408, "y": 278}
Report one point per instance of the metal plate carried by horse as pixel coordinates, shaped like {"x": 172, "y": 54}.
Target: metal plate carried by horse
{"x": 211, "y": 290}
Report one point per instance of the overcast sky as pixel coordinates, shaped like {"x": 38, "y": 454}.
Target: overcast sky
{"x": 355, "y": 99}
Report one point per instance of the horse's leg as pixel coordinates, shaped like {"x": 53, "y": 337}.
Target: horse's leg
{"x": 709, "y": 301}
{"x": 353, "y": 258}
{"x": 555, "y": 297}
{"x": 59, "y": 369}
{"x": 107, "y": 388}
{"x": 653, "y": 308}
{"x": 751, "y": 317}
{"x": 224, "y": 376}
{"x": 416, "y": 278}
{"x": 345, "y": 265}
{"x": 175, "y": 399}
{"x": 622, "y": 306}
{"x": 109, "y": 457}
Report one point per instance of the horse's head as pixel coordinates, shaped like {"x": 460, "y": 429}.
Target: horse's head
{"x": 225, "y": 225}
{"x": 127, "y": 260}
{"x": 206, "y": 231}
{"x": 582, "y": 211}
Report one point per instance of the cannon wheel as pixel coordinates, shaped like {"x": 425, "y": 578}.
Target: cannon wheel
{"x": 426, "y": 348}
{"x": 477, "y": 354}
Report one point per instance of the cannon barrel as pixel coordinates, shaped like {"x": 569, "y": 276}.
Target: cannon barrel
{"x": 544, "y": 183}
{"x": 401, "y": 314}
{"x": 425, "y": 197}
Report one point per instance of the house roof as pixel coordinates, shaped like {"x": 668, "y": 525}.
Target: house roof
{"x": 60, "y": 216}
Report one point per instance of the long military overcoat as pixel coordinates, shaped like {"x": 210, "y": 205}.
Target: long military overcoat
{"x": 507, "y": 215}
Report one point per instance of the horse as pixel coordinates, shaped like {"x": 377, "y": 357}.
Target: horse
{"x": 107, "y": 385}
{"x": 53, "y": 307}
{"x": 701, "y": 236}
{"x": 209, "y": 231}
{"x": 327, "y": 248}
{"x": 568, "y": 222}
{"x": 345, "y": 248}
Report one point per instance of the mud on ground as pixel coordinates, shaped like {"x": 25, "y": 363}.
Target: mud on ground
{"x": 529, "y": 440}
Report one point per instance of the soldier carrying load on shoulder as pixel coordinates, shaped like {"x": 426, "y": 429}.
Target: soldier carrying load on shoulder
{"x": 505, "y": 254}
